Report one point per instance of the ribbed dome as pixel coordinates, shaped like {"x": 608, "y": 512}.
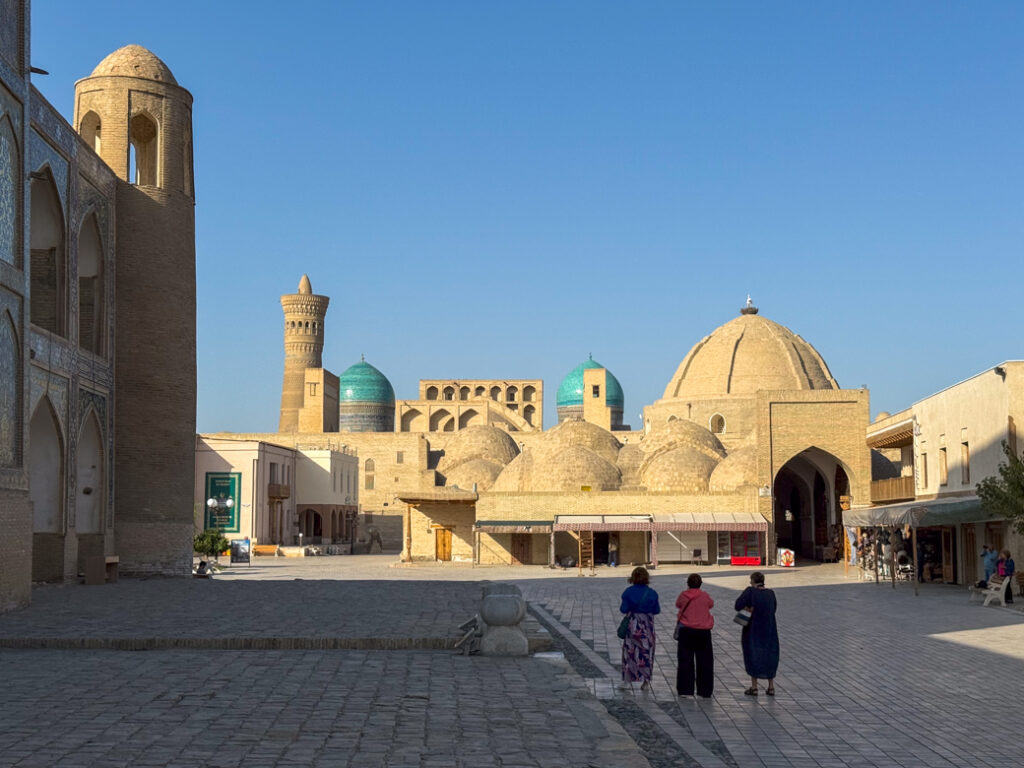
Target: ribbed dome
{"x": 479, "y": 472}
{"x": 134, "y": 61}
{"x": 748, "y": 354}
{"x": 736, "y": 470}
{"x": 478, "y": 442}
{"x": 682, "y": 469}
{"x": 362, "y": 383}
{"x": 570, "y": 391}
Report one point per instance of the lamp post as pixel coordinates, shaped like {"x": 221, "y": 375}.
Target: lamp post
{"x": 220, "y": 504}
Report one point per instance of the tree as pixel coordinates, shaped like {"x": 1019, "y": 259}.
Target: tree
{"x": 1003, "y": 496}
{"x": 210, "y": 542}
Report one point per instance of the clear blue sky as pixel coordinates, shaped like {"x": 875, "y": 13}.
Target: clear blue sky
{"x": 498, "y": 189}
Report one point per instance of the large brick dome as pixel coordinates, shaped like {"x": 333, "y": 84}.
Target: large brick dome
{"x": 134, "y": 61}
{"x": 748, "y": 354}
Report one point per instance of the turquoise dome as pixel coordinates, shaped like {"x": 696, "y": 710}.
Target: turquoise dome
{"x": 362, "y": 383}
{"x": 570, "y": 391}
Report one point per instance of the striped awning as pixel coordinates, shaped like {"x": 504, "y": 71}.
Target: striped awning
{"x": 710, "y": 521}
{"x": 602, "y": 523}
{"x": 513, "y": 526}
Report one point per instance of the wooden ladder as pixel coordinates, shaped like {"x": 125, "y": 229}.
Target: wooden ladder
{"x": 586, "y": 559}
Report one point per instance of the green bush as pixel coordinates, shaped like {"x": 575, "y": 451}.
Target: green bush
{"x": 210, "y": 543}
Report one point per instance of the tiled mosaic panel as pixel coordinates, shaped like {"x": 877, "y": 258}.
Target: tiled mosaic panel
{"x": 8, "y": 192}
{"x": 10, "y": 393}
{"x": 42, "y": 154}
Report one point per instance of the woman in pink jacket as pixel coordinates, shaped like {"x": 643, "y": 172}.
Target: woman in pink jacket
{"x": 694, "y": 630}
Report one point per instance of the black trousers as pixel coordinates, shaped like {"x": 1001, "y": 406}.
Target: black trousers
{"x": 695, "y": 655}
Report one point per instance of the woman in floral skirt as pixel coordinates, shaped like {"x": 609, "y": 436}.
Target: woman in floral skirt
{"x": 640, "y": 603}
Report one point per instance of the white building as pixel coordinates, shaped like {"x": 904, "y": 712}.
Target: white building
{"x": 938, "y": 450}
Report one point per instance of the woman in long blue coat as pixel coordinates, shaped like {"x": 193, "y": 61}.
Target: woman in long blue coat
{"x": 760, "y": 638}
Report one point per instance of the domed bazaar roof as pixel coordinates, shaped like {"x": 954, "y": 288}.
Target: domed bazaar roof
{"x": 134, "y": 61}
{"x": 682, "y": 432}
{"x": 681, "y": 469}
{"x": 570, "y": 391}
{"x": 748, "y": 354}
{"x": 486, "y": 442}
{"x": 479, "y": 472}
{"x": 574, "y": 468}
{"x": 578, "y": 432}
{"x": 736, "y": 470}
{"x": 362, "y": 383}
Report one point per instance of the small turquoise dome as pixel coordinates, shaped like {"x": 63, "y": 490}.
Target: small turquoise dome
{"x": 362, "y": 383}
{"x": 570, "y": 391}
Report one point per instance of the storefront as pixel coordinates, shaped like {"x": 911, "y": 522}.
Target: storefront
{"x": 943, "y": 535}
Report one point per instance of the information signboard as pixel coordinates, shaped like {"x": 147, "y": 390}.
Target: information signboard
{"x": 240, "y": 551}
{"x": 222, "y": 486}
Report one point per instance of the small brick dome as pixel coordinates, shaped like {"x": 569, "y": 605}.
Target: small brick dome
{"x": 677, "y": 433}
{"x": 736, "y": 470}
{"x": 478, "y": 442}
{"x": 583, "y": 433}
{"x": 479, "y": 472}
{"x": 681, "y": 469}
{"x": 134, "y": 61}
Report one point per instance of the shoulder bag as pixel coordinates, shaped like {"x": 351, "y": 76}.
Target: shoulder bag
{"x": 743, "y": 617}
{"x": 623, "y": 629}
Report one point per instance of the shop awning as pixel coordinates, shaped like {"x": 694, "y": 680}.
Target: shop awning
{"x": 513, "y": 526}
{"x": 602, "y": 523}
{"x": 710, "y": 521}
{"x": 920, "y": 514}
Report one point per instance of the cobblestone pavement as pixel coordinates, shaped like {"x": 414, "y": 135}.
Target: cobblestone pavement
{"x": 870, "y": 676}
{"x": 280, "y": 709}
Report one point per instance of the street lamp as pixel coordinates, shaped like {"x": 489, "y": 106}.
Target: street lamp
{"x": 215, "y": 504}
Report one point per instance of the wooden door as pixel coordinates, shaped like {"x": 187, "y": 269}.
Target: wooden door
{"x": 443, "y": 543}
{"x": 948, "y": 556}
{"x": 522, "y": 551}
{"x": 970, "y": 553}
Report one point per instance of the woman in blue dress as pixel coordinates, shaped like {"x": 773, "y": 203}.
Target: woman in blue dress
{"x": 640, "y": 603}
{"x": 760, "y": 638}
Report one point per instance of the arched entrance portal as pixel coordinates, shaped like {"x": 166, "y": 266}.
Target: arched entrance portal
{"x": 810, "y": 492}
{"x": 311, "y": 526}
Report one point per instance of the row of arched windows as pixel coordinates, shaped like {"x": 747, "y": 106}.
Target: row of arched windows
{"x": 302, "y": 326}
{"x": 49, "y": 268}
{"x": 510, "y": 394}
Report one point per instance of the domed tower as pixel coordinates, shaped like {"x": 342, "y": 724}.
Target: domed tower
{"x": 137, "y": 118}
{"x": 303, "y": 347}
{"x": 592, "y": 393}
{"x": 366, "y": 400}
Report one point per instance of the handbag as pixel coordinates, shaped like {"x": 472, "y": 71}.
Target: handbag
{"x": 623, "y": 629}
{"x": 742, "y": 617}
{"x": 679, "y": 629}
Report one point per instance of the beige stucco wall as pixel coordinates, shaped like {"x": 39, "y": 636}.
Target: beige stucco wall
{"x": 422, "y": 521}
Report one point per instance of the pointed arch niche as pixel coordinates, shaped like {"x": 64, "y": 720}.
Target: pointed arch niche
{"x": 90, "y": 478}
{"x": 49, "y": 264}
{"x": 91, "y": 298}
{"x": 46, "y": 470}
{"x": 10, "y": 395}
{"x": 143, "y": 157}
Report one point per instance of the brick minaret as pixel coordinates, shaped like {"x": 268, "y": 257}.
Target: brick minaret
{"x": 303, "y": 347}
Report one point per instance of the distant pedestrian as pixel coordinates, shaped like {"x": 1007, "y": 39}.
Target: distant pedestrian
{"x": 640, "y": 604}
{"x": 760, "y": 638}
{"x": 1006, "y": 568}
{"x": 613, "y": 550}
{"x": 695, "y": 652}
{"x": 989, "y": 559}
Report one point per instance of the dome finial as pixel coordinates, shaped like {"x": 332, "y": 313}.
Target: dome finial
{"x": 749, "y": 309}
{"x": 362, "y": 358}
{"x": 304, "y": 285}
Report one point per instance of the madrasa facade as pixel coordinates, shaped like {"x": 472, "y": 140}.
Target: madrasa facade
{"x": 97, "y": 321}
{"x": 753, "y": 447}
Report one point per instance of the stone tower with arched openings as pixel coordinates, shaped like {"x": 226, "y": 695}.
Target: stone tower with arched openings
{"x": 134, "y": 115}
{"x": 304, "y": 314}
